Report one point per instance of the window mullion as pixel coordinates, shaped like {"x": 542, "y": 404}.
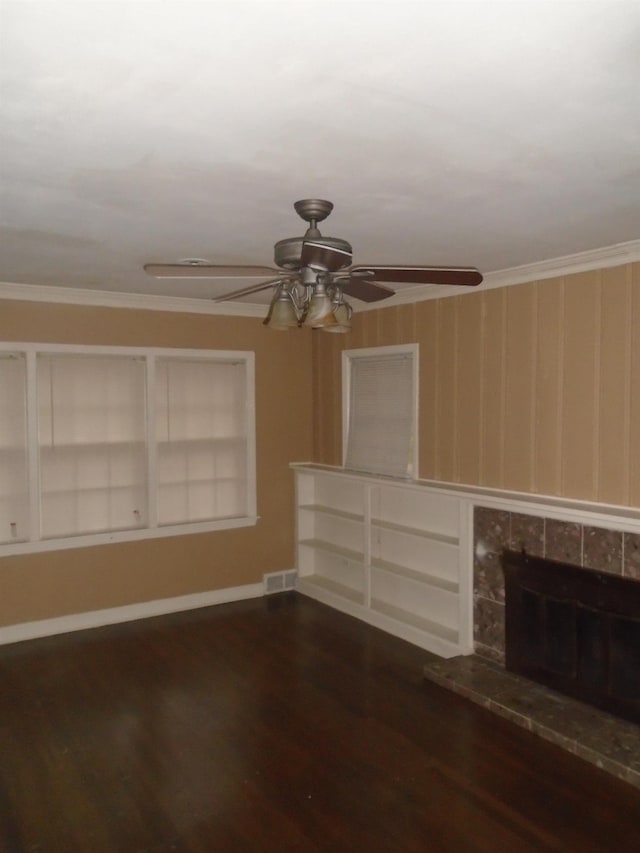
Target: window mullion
{"x": 152, "y": 444}
{"x": 250, "y": 410}
{"x": 33, "y": 455}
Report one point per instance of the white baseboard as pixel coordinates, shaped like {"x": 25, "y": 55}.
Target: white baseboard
{"x": 127, "y": 613}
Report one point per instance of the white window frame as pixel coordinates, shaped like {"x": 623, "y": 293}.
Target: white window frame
{"x": 152, "y": 530}
{"x": 348, "y": 357}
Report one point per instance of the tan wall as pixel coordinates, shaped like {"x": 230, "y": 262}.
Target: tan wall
{"x": 534, "y": 387}
{"x": 56, "y": 583}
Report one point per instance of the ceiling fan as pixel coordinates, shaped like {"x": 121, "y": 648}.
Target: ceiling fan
{"x": 314, "y": 273}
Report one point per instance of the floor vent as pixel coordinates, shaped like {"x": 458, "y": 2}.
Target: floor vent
{"x": 280, "y": 581}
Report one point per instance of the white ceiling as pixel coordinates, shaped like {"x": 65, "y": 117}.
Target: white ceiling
{"x": 492, "y": 134}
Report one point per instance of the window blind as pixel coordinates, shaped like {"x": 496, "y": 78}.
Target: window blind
{"x": 91, "y": 437}
{"x": 201, "y": 433}
{"x": 380, "y": 432}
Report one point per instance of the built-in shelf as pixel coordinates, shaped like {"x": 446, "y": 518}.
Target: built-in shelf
{"x": 388, "y": 551}
{"x": 329, "y": 547}
{"x": 415, "y": 575}
{"x": 319, "y": 582}
{"x": 332, "y": 511}
{"x": 415, "y": 531}
{"x": 449, "y": 635}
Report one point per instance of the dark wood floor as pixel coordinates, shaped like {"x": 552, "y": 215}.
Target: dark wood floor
{"x": 275, "y": 725}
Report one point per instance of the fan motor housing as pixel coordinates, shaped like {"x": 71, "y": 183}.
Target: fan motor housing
{"x": 286, "y": 253}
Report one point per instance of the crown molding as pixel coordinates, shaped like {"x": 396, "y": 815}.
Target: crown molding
{"x": 116, "y": 299}
{"x": 608, "y": 256}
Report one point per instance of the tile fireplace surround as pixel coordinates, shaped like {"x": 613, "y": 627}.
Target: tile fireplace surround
{"x": 611, "y": 743}
{"x": 494, "y": 530}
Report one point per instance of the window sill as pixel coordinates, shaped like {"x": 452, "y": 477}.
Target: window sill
{"x": 90, "y": 540}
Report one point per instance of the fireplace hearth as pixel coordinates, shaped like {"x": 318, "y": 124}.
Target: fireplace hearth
{"x": 575, "y": 630}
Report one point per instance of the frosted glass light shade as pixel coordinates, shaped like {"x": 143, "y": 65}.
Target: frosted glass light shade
{"x": 283, "y": 314}
{"x": 342, "y": 313}
{"x": 320, "y": 313}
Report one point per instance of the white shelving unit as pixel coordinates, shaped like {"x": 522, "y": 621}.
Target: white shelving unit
{"x": 331, "y": 536}
{"x": 391, "y": 552}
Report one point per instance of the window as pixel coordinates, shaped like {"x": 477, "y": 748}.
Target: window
{"x": 201, "y": 440}
{"x": 380, "y": 409}
{"x": 107, "y": 444}
{"x": 91, "y": 443}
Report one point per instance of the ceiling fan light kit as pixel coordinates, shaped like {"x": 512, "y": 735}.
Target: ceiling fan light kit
{"x": 320, "y": 309}
{"x": 312, "y": 275}
{"x": 283, "y": 312}
{"x": 342, "y": 313}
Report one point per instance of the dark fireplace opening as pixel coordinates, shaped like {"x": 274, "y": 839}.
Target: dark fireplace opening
{"x": 575, "y": 630}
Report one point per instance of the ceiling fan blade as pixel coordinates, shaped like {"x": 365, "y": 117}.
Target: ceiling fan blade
{"x": 468, "y": 276}
{"x": 318, "y": 255}
{"x": 246, "y": 291}
{"x": 206, "y": 271}
{"x": 364, "y": 289}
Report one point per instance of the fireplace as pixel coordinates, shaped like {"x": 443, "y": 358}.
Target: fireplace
{"x": 575, "y": 630}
